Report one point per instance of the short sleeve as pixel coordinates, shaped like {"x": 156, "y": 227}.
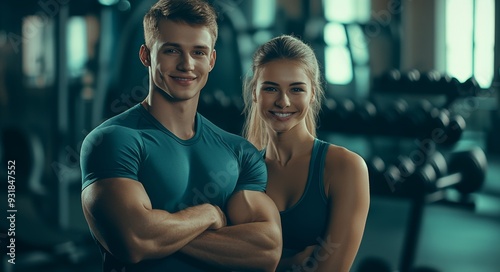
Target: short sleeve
{"x": 110, "y": 152}
{"x": 253, "y": 175}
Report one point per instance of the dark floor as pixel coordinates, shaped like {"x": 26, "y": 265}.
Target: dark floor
{"x": 452, "y": 239}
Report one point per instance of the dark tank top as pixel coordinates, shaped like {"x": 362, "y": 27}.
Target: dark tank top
{"x": 305, "y": 222}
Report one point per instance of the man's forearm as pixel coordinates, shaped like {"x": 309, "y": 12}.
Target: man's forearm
{"x": 252, "y": 246}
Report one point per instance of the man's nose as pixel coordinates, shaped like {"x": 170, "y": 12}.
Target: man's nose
{"x": 186, "y": 63}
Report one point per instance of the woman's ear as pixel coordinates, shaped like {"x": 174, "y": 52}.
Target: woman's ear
{"x": 313, "y": 95}
{"x": 145, "y": 56}
{"x": 254, "y": 96}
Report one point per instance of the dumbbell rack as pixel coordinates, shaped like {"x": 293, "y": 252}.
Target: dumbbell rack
{"x": 394, "y": 117}
{"x": 464, "y": 171}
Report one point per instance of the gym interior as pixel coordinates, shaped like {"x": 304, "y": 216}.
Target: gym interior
{"x": 411, "y": 86}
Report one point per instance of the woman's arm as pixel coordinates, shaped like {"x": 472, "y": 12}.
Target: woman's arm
{"x": 347, "y": 188}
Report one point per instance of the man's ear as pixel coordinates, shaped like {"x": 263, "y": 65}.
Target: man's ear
{"x": 145, "y": 56}
{"x": 213, "y": 57}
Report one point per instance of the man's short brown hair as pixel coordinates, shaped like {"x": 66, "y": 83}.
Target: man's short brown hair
{"x": 192, "y": 12}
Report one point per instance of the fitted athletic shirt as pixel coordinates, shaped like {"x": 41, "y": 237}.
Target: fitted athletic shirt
{"x": 304, "y": 223}
{"x": 175, "y": 173}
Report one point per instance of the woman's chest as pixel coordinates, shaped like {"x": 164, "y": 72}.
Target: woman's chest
{"x": 286, "y": 185}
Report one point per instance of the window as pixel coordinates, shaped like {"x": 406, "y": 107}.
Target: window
{"x": 38, "y": 51}
{"x": 77, "y": 45}
{"x": 470, "y": 40}
{"x": 346, "y": 54}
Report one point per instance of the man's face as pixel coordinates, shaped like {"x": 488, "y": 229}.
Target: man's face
{"x": 181, "y": 59}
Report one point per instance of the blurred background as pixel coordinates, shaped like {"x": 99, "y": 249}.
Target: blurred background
{"x": 412, "y": 86}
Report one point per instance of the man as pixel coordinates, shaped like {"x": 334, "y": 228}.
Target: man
{"x": 160, "y": 179}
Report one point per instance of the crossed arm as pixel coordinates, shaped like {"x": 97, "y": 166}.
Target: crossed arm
{"x": 120, "y": 214}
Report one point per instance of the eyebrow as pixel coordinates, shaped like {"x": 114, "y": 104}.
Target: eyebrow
{"x": 291, "y": 84}
{"x": 176, "y": 45}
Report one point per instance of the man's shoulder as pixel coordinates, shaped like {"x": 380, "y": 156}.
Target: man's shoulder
{"x": 121, "y": 126}
{"x": 128, "y": 118}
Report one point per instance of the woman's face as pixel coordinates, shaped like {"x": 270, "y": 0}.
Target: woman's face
{"x": 283, "y": 95}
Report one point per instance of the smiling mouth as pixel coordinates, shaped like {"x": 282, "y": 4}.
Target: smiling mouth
{"x": 281, "y": 114}
{"x": 183, "y": 78}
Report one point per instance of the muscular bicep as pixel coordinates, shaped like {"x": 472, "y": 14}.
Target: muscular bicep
{"x": 251, "y": 206}
{"x": 114, "y": 208}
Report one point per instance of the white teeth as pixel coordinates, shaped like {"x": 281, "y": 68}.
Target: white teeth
{"x": 182, "y": 79}
{"x": 282, "y": 115}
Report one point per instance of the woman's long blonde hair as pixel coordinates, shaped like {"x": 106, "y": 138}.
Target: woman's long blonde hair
{"x": 284, "y": 47}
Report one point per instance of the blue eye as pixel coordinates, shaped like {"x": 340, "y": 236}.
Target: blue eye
{"x": 170, "y": 51}
{"x": 269, "y": 89}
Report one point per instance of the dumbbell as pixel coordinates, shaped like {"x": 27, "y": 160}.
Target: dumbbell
{"x": 346, "y": 108}
{"x": 416, "y": 118}
{"x": 388, "y": 82}
{"x": 464, "y": 171}
{"x": 383, "y": 178}
{"x": 328, "y": 115}
{"x": 363, "y": 116}
{"x": 331, "y": 116}
{"x": 410, "y": 82}
{"x": 390, "y": 120}
{"x": 337, "y": 114}
{"x": 432, "y": 82}
{"x": 430, "y": 78}
{"x": 453, "y": 132}
{"x": 436, "y": 126}
{"x": 387, "y": 178}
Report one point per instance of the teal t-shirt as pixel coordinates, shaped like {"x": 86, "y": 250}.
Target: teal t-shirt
{"x": 175, "y": 173}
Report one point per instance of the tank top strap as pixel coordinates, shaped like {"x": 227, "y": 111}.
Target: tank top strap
{"x": 318, "y": 158}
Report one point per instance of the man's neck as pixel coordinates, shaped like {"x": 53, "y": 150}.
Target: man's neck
{"x": 177, "y": 117}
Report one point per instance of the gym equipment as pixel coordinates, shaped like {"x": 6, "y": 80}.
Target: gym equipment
{"x": 435, "y": 126}
{"x": 391, "y": 118}
{"x": 48, "y": 245}
{"x": 421, "y": 120}
{"x": 454, "y": 130}
{"x": 464, "y": 171}
{"x": 470, "y": 87}
{"x": 362, "y": 117}
{"x": 336, "y": 113}
{"x": 470, "y": 168}
{"x": 422, "y": 111}
{"x": 383, "y": 178}
{"x": 416, "y": 82}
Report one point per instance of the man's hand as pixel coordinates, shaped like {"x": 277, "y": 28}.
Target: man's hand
{"x": 219, "y": 218}
{"x": 252, "y": 242}
{"x": 120, "y": 215}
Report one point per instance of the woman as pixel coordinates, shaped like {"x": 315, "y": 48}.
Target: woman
{"x": 320, "y": 189}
